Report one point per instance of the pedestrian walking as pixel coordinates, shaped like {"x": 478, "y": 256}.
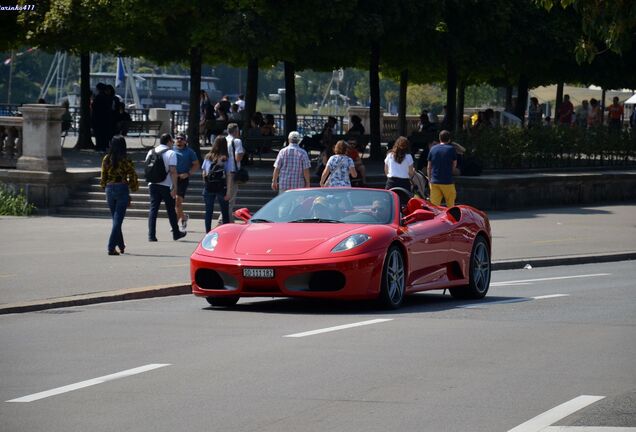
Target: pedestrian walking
{"x": 535, "y": 114}
{"x": 217, "y": 181}
{"x": 291, "y": 168}
{"x": 187, "y": 165}
{"x": 102, "y": 117}
{"x": 442, "y": 160}
{"x": 118, "y": 178}
{"x": 580, "y": 116}
{"x": 339, "y": 168}
{"x": 615, "y": 115}
{"x": 565, "y": 112}
{"x": 235, "y": 154}
{"x": 594, "y": 114}
{"x": 398, "y": 165}
{"x": 165, "y": 189}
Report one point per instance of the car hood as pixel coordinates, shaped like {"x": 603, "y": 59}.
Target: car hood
{"x": 271, "y": 239}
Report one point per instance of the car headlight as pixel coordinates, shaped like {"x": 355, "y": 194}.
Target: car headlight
{"x": 209, "y": 241}
{"x": 351, "y": 242}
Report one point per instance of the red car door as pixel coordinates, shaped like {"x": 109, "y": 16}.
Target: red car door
{"x": 429, "y": 250}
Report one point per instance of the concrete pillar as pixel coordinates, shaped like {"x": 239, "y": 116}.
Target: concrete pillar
{"x": 163, "y": 115}
{"x": 41, "y": 145}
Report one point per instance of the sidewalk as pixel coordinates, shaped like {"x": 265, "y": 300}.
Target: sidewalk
{"x": 47, "y": 259}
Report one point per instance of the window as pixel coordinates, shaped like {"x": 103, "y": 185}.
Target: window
{"x": 169, "y": 85}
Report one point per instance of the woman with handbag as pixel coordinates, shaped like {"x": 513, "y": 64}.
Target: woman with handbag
{"x": 338, "y": 169}
{"x": 217, "y": 181}
{"x": 118, "y": 178}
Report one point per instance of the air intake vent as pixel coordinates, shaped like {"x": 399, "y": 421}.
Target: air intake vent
{"x": 209, "y": 279}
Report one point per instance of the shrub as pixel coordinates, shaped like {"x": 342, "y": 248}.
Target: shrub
{"x": 556, "y": 147}
{"x": 14, "y": 204}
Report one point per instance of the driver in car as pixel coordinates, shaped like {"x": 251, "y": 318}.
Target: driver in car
{"x": 320, "y": 209}
{"x": 380, "y": 210}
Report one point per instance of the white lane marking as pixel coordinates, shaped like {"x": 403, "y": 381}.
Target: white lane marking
{"x": 486, "y": 303}
{"x": 336, "y": 328}
{"x": 544, "y": 420}
{"x": 548, "y": 279}
{"x": 88, "y": 383}
{"x": 588, "y": 429}
{"x": 549, "y": 296}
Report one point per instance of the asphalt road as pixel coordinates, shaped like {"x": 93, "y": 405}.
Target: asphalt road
{"x": 50, "y": 257}
{"x": 522, "y": 359}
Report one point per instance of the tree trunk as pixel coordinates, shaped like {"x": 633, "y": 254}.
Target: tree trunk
{"x": 558, "y": 101}
{"x": 290, "y": 98}
{"x": 251, "y": 91}
{"x": 522, "y": 98}
{"x": 461, "y": 98}
{"x": 374, "y": 112}
{"x": 84, "y": 140}
{"x": 451, "y": 95}
{"x": 509, "y": 91}
{"x": 602, "y": 104}
{"x": 404, "y": 82}
{"x": 196, "y": 60}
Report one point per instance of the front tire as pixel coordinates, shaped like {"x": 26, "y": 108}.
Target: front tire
{"x": 480, "y": 269}
{"x": 222, "y": 301}
{"x": 393, "y": 283}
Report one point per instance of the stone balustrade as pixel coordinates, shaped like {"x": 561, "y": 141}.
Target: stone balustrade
{"x": 10, "y": 141}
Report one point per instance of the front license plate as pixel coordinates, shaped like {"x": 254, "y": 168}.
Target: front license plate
{"x": 260, "y": 273}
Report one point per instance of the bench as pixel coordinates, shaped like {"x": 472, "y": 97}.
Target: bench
{"x": 142, "y": 129}
{"x": 256, "y": 145}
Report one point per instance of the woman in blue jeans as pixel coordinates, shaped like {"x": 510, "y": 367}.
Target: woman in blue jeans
{"x": 119, "y": 178}
{"x": 217, "y": 181}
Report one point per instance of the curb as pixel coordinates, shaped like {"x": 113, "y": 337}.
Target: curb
{"x": 563, "y": 260}
{"x": 173, "y": 290}
{"x": 100, "y": 297}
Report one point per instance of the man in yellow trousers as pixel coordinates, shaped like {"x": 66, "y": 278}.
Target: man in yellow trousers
{"x": 442, "y": 160}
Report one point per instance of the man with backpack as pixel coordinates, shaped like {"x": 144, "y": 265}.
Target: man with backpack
{"x": 161, "y": 174}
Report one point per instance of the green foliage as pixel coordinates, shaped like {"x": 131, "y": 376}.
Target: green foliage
{"x": 549, "y": 147}
{"x": 424, "y": 96}
{"x": 14, "y": 204}
{"x": 603, "y": 25}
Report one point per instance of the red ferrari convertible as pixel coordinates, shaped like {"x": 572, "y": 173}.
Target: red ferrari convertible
{"x": 345, "y": 243}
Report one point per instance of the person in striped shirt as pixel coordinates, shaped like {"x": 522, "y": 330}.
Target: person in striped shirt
{"x": 291, "y": 168}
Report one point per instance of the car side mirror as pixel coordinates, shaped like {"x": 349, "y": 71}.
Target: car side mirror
{"x": 243, "y": 214}
{"x": 419, "y": 215}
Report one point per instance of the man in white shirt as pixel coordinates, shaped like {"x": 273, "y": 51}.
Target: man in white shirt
{"x": 240, "y": 102}
{"x": 235, "y": 153}
{"x": 165, "y": 190}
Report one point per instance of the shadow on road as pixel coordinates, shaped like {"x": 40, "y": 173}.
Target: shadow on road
{"x": 413, "y": 304}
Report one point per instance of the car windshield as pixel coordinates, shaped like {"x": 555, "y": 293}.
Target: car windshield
{"x": 328, "y": 205}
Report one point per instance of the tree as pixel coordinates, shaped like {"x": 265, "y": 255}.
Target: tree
{"x": 604, "y": 25}
{"x": 77, "y": 26}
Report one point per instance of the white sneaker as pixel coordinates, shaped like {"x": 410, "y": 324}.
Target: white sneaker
{"x": 184, "y": 222}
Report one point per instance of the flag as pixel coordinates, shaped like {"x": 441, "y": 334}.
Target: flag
{"x": 119, "y": 78}
{"x": 7, "y": 61}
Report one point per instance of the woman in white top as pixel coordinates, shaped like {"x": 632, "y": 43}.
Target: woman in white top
{"x": 398, "y": 165}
